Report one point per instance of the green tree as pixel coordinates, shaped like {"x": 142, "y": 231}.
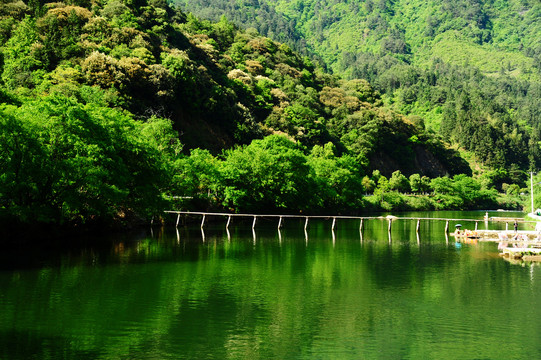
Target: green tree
{"x": 513, "y": 189}
{"x": 23, "y": 56}
{"x": 368, "y": 184}
{"x": 425, "y": 184}
{"x": 442, "y": 185}
{"x": 268, "y": 175}
{"x": 61, "y": 28}
{"x": 198, "y": 176}
{"x": 399, "y": 182}
{"x": 383, "y": 186}
{"x": 338, "y": 178}
{"x": 415, "y": 183}
{"x": 68, "y": 162}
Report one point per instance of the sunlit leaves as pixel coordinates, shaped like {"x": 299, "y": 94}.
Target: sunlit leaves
{"x": 268, "y": 174}
{"x": 22, "y": 56}
{"x": 66, "y": 162}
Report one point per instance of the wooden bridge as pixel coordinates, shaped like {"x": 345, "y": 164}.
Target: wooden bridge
{"x": 362, "y": 219}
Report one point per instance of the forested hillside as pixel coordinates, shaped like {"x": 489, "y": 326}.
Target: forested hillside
{"x": 470, "y": 68}
{"x": 111, "y": 111}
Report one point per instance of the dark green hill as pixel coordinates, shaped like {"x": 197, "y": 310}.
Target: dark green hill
{"x": 471, "y": 69}
{"x": 102, "y": 102}
{"x": 219, "y": 85}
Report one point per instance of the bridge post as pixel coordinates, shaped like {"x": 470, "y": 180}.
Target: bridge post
{"x": 333, "y": 223}
{"x": 447, "y": 226}
{"x": 253, "y": 224}
{"x": 228, "y": 221}
{"x": 178, "y": 219}
{"x": 418, "y": 225}
{"x": 280, "y": 223}
{"x": 203, "y": 221}
{"x": 306, "y": 223}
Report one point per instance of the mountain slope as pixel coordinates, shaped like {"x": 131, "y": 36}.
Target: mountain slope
{"x": 101, "y": 104}
{"x": 471, "y": 69}
{"x": 219, "y": 85}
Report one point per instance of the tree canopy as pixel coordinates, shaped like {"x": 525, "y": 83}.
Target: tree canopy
{"x": 113, "y": 111}
{"x": 470, "y": 70}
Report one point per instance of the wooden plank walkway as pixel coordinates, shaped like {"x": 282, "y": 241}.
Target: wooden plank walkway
{"x": 516, "y": 246}
{"x": 389, "y": 218}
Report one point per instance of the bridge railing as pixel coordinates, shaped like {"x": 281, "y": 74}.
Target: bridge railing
{"x": 389, "y": 218}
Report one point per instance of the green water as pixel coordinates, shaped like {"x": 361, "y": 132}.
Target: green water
{"x": 270, "y": 295}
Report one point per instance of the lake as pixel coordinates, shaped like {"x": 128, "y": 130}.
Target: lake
{"x": 184, "y": 294}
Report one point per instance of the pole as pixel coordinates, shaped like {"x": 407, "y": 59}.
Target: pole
{"x": 531, "y": 190}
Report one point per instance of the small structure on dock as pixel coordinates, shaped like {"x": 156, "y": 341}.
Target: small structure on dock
{"x": 497, "y": 235}
{"x": 522, "y": 253}
{"x": 504, "y": 219}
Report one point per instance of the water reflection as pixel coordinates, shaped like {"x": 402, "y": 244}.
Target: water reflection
{"x": 237, "y": 292}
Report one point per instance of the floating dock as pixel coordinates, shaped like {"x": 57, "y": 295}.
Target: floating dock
{"x": 522, "y": 253}
{"x": 514, "y": 246}
{"x": 505, "y": 219}
{"x": 497, "y": 235}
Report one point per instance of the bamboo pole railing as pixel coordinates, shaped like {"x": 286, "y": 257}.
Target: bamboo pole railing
{"x": 389, "y": 218}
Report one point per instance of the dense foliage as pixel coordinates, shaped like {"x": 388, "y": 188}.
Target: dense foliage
{"x": 99, "y": 101}
{"x": 471, "y": 69}
{"x": 274, "y": 175}
{"x": 65, "y": 161}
